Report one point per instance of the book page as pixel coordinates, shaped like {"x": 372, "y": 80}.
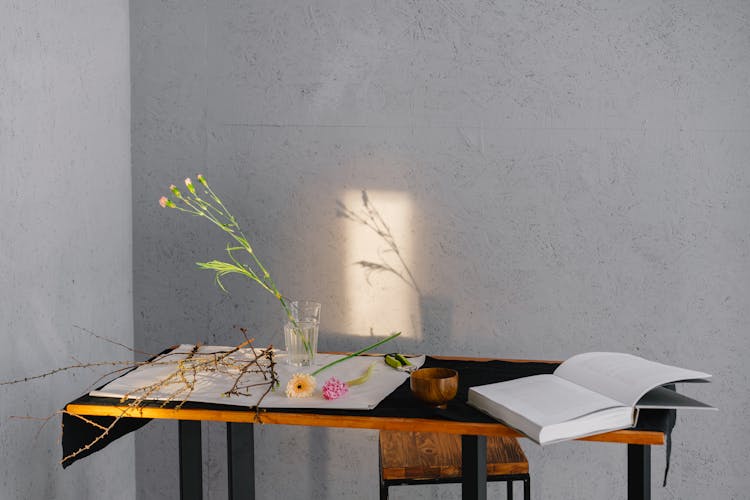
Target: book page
{"x": 663, "y": 398}
{"x": 544, "y": 399}
{"x": 620, "y": 376}
{"x": 611, "y": 419}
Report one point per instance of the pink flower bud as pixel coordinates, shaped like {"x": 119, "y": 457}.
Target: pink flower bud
{"x": 189, "y": 185}
{"x": 166, "y": 202}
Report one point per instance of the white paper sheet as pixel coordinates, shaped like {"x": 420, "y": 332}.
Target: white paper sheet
{"x": 209, "y": 387}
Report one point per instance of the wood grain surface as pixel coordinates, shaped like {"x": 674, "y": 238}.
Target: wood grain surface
{"x": 431, "y": 455}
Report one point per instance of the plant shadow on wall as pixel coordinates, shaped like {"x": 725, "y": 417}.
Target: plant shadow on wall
{"x": 435, "y": 313}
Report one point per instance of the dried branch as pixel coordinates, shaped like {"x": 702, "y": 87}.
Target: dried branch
{"x": 127, "y": 364}
{"x": 106, "y": 339}
{"x": 237, "y": 363}
{"x": 180, "y": 383}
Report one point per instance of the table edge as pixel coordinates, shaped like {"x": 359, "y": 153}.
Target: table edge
{"x": 628, "y": 436}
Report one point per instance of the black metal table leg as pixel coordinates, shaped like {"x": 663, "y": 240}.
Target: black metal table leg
{"x": 639, "y": 472}
{"x": 241, "y": 461}
{"x": 474, "y": 467}
{"x": 191, "y": 460}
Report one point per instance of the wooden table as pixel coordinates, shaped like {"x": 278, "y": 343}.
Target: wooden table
{"x": 240, "y": 452}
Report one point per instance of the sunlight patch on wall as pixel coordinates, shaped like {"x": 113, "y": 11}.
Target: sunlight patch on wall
{"x": 382, "y": 292}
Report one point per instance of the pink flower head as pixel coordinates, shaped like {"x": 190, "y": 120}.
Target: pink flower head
{"x": 201, "y": 179}
{"x": 166, "y": 202}
{"x": 334, "y": 388}
{"x": 189, "y": 185}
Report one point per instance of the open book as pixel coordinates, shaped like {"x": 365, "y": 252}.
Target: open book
{"x": 588, "y": 394}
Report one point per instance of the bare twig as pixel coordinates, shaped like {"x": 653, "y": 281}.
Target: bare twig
{"x": 180, "y": 383}
{"x": 237, "y": 362}
{"x": 105, "y": 339}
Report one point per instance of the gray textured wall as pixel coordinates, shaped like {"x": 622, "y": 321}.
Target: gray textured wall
{"x": 65, "y": 236}
{"x": 561, "y": 177}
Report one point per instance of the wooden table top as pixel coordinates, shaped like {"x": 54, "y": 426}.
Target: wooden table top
{"x": 104, "y": 407}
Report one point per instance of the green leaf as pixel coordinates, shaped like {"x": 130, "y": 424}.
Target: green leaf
{"x": 362, "y": 379}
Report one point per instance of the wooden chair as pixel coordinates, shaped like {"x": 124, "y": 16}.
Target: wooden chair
{"x": 434, "y": 458}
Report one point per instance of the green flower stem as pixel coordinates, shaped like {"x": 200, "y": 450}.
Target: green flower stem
{"x": 373, "y": 346}
{"x": 212, "y": 208}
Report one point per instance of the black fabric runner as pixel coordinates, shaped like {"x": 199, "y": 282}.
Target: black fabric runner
{"x": 78, "y": 434}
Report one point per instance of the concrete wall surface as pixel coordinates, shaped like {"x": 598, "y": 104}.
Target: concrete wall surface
{"x": 559, "y": 177}
{"x": 65, "y": 235}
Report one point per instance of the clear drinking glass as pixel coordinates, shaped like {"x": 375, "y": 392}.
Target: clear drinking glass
{"x": 301, "y": 332}
{"x": 301, "y": 342}
{"x": 305, "y": 310}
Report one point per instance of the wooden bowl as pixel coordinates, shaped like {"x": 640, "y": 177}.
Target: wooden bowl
{"x": 434, "y": 386}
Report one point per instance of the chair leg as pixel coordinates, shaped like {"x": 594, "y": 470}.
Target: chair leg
{"x": 383, "y": 491}
{"x": 509, "y": 496}
{"x": 527, "y": 489}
